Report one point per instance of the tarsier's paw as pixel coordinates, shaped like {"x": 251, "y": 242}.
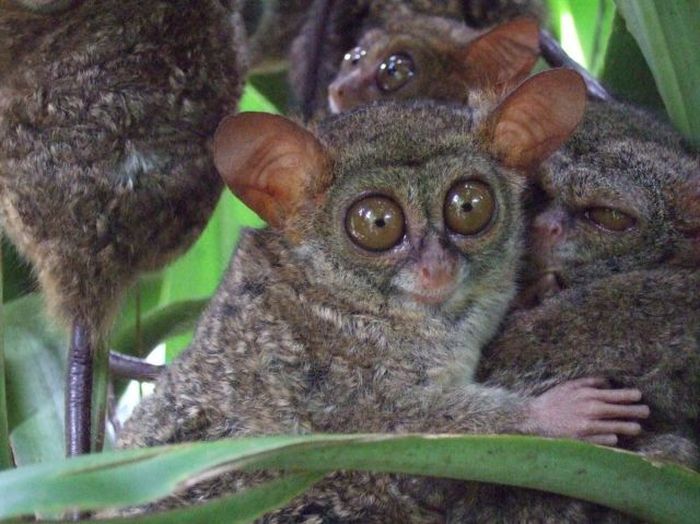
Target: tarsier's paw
{"x": 584, "y": 409}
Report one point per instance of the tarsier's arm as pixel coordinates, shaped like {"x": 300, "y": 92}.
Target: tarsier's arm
{"x": 580, "y": 409}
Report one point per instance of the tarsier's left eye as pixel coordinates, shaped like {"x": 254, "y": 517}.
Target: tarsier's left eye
{"x": 610, "y": 218}
{"x": 355, "y": 55}
{"x": 395, "y": 71}
{"x": 469, "y": 207}
{"x": 375, "y": 223}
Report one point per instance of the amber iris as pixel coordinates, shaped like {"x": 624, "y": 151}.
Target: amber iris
{"x": 394, "y": 72}
{"x": 610, "y": 218}
{"x": 469, "y": 207}
{"x": 375, "y": 223}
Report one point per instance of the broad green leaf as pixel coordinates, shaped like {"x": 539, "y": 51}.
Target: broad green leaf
{"x": 626, "y": 72}
{"x": 669, "y": 36}
{"x": 35, "y": 359}
{"x": 622, "y": 480}
{"x": 253, "y": 100}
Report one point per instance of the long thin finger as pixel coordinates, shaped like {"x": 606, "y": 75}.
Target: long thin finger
{"x": 603, "y": 440}
{"x": 606, "y": 410}
{"x": 591, "y": 382}
{"x": 605, "y": 427}
{"x": 615, "y": 395}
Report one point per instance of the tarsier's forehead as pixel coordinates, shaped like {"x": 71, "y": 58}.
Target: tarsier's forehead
{"x": 398, "y": 132}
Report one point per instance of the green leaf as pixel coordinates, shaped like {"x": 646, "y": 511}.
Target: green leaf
{"x": 622, "y": 480}
{"x": 5, "y": 455}
{"x": 237, "y": 509}
{"x": 626, "y": 72}
{"x": 668, "y": 35}
{"x": 35, "y": 359}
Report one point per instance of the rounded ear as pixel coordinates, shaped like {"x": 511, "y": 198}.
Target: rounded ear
{"x": 504, "y": 55}
{"x": 272, "y": 164}
{"x": 537, "y": 118}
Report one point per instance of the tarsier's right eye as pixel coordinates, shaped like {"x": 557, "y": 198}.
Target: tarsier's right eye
{"x": 610, "y": 218}
{"x": 469, "y": 207}
{"x": 395, "y": 71}
{"x": 354, "y": 55}
{"x": 375, "y": 223}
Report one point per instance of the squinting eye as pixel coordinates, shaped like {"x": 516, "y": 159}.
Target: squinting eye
{"x": 354, "y": 55}
{"x": 375, "y": 223}
{"x": 469, "y": 207}
{"x": 394, "y": 72}
{"x": 609, "y": 218}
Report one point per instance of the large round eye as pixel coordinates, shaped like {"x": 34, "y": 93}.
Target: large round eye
{"x": 394, "y": 72}
{"x": 611, "y": 219}
{"x": 375, "y": 223}
{"x": 469, "y": 207}
{"x": 354, "y": 55}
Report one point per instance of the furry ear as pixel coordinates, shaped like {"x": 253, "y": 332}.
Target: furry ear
{"x": 537, "y": 118}
{"x": 272, "y": 164}
{"x": 504, "y": 55}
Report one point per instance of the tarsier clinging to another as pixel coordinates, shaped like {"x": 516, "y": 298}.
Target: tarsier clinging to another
{"x": 614, "y": 255}
{"x": 390, "y": 260}
{"x": 107, "y": 108}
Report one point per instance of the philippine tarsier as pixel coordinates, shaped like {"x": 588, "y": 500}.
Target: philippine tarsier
{"x": 390, "y": 261}
{"x": 614, "y": 255}
{"x": 107, "y": 109}
{"x": 333, "y": 28}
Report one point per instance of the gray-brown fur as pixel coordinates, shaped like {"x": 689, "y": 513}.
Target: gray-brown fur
{"x": 316, "y": 337}
{"x": 272, "y": 26}
{"x": 106, "y": 111}
{"x": 349, "y": 20}
{"x": 630, "y": 307}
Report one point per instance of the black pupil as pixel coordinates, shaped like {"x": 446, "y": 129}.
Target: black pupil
{"x": 467, "y": 207}
{"x": 379, "y": 222}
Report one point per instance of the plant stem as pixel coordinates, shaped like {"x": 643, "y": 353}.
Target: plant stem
{"x": 5, "y": 454}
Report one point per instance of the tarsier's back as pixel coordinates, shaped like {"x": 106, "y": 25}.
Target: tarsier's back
{"x": 106, "y": 108}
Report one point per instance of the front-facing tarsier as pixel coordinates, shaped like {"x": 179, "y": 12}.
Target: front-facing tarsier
{"x": 390, "y": 259}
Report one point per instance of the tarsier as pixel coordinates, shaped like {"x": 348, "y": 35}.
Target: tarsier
{"x": 107, "y": 109}
{"x": 418, "y": 56}
{"x": 390, "y": 260}
{"x": 333, "y": 28}
{"x": 613, "y": 255}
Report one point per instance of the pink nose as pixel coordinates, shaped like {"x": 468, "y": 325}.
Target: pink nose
{"x": 549, "y": 227}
